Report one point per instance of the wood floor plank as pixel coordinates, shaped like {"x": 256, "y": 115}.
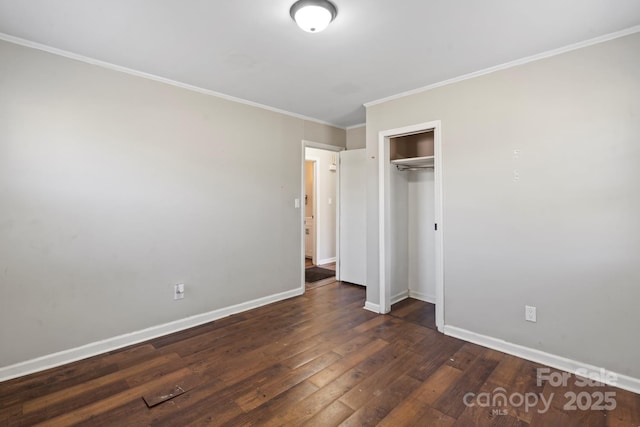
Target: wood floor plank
{"x": 426, "y": 393}
{"x": 192, "y": 404}
{"x": 317, "y": 359}
{"x": 86, "y": 412}
{"x": 419, "y": 417}
{"x": 425, "y": 317}
{"x": 415, "y": 311}
{"x": 514, "y": 376}
{"x": 34, "y": 391}
{"x": 555, "y": 417}
{"x": 378, "y": 381}
{"x": 353, "y": 345}
{"x": 125, "y": 353}
{"x": 287, "y": 315}
{"x": 320, "y": 283}
{"x": 55, "y": 379}
{"x": 268, "y": 391}
{"x": 377, "y": 408}
{"x": 273, "y": 379}
{"x": 462, "y": 358}
{"x": 73, "y": 392}
{"x": 332, "y": 372}
{"x": 372, "y": 323}
{"x": 311, "y": 405}
{"x": 303, "y": 327}
{"x": 627, "y": 410}
{"x": 389, "y": 329}
{"x": 253, "y": 361}
{"x": 225, "y": 338}
{"x": 437, "y": 385}
{"x": 405, "y": 307}
{"x": 225, "y": 410}
{"x": 234, "y": 372}
{"x": 68, "y": 405}
{"x": 274, "y": 407}
{"x": 478, "y": 416}
{"x": 452, "y": 402}
{"x": 152, "y": 371}
{"x": 331, "y": 415}
{"x": 337, "y": 387}
{"x": 436, "y": 356}
{"x": 336, "y": 329}
{"x": 324, "y": 345}
{"x": 10, "y": 412}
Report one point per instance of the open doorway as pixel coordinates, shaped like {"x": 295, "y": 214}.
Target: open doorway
{"x": 320, "y": 214}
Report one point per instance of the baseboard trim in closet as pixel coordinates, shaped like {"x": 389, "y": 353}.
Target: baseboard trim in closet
{"x": 372, "y": 307}
{"x": 422, "y": 296}
{"x": 399, "y": 297}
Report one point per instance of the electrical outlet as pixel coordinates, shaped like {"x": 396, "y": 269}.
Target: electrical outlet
{"x": 530, "y": 313}
{"x": 178, "y": 291}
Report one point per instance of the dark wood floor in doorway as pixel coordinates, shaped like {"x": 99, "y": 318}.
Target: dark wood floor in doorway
{"x": 318, "y": 359}
{"x": 323, "y": 282}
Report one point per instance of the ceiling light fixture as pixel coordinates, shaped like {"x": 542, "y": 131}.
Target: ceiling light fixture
{"x": 313, "y": 16}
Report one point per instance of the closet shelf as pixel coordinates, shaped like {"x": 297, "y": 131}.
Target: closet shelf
{"x": 414, "y": 162}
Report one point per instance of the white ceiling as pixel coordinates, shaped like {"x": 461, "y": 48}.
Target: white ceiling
{"x": 251, "y": 49}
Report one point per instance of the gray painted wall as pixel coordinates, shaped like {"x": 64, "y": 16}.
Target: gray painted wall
{"x": 113, "y": 188}
{"x": 356, "y": 138}
{"x": 566, "y": 236}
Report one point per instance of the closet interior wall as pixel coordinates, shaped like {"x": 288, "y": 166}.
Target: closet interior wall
{"x": 412, "y": 235}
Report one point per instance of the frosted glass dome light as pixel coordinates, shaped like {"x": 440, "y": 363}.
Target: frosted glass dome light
{"x": 313, "y": 16}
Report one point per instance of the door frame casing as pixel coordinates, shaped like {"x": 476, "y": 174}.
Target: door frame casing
{"x": 384, "y": 207}
{"x": 311, "y": 144}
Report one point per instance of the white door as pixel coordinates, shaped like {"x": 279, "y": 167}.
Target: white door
{"x": 353, "y": 216}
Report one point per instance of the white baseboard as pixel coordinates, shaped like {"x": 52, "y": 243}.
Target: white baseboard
{"x": 422, "y": 296}
{"x": 110, "y": 344}
{"x": 326, "y": 261}
{"x": 622, "y": 381}
{"x": 399, "y": 297}
{"x": 372, "y": 307}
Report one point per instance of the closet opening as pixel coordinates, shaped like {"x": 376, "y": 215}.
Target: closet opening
{"x": 410, "y": 221}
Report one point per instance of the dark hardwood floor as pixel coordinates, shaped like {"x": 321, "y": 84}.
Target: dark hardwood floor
{"x": 318, "y": 359}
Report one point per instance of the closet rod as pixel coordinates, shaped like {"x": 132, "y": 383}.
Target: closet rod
{"x": 402, "y": 168}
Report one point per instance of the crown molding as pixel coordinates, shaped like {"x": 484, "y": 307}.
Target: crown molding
{"x": 148, "y": 76}
{"x": 517, "y": 62}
